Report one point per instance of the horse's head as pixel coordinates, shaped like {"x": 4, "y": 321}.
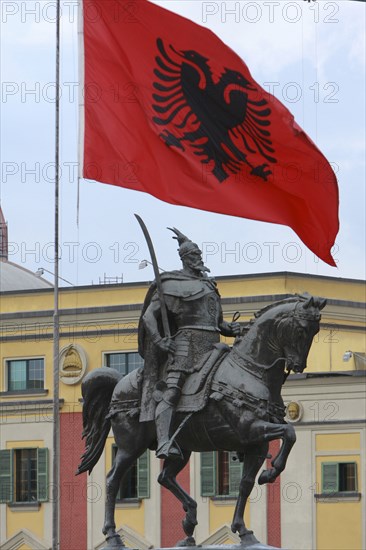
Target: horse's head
{"x": 296, "y": 330}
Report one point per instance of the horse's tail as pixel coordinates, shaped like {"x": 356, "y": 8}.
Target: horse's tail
{"x": 97, "y": 389}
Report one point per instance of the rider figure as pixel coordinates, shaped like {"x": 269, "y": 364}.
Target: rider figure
{"x": 195, "y": 321}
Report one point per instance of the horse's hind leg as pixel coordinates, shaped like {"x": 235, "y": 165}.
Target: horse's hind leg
{"x": 122, "y": 462}
{"x": 167, "y": 479}
{"x": 253, "y": 460}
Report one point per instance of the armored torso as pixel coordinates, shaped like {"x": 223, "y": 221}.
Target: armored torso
{"x": 193, "y": 303}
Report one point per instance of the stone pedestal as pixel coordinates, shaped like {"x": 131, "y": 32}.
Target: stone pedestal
{"x": 250, "y": 546}
{"x": 254, "y": 546}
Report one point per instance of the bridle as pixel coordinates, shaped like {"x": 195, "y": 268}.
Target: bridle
{"x": 297, "y": 315}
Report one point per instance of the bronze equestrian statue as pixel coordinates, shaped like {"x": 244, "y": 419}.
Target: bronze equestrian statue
{"x": 203, "y": 395}
{"x": 195, "y": 319}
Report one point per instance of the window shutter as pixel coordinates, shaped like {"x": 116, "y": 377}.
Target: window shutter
{"x": 208, "y": 474}
{"x": 235, "y": 473}
{"x": 330, "y": 477}
{"x": 6, "y": 476}
{"x": 143, "y": 475}
{"x": 42, "y": 475}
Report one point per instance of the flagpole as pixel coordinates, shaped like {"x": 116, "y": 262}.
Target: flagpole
{"x": 56, "y": 323}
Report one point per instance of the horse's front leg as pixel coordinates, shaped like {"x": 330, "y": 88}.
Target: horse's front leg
{"x": 266, "y": 431}
{"x": 167, "y": 479}
{"x": 253, "y": 460}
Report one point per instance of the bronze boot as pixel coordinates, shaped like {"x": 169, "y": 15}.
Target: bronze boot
{"x": 166, "y": 447}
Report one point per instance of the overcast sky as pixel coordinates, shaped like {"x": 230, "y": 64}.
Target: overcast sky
{"x": 311, "y": 56}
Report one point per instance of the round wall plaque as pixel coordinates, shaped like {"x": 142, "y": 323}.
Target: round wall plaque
{"x": 72, "y": 364}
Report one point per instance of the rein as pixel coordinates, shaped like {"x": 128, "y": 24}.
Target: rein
{"x": 286, "y": 374}
{"x": 292, "y": 329}
{"x": 256, "y": 369}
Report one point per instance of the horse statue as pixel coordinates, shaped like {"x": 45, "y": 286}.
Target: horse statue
{"x": 243, "y": 412}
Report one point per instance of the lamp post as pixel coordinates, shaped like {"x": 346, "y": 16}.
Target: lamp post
{"x": 56, "y": 320}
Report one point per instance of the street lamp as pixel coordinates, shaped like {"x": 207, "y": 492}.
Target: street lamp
{"x": 40, "y": 271}
{"x": 360, "y": 359}
{"x": 347, "y": 356}
{"x": 145, "y": 263}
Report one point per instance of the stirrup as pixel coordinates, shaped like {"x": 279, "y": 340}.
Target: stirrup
{"x": 169, "y": 449}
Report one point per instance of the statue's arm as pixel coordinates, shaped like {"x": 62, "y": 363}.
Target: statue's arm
{"x": 151, "y": 322}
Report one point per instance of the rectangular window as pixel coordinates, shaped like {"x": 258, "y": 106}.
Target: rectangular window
{"x": 24, "y": 475}
{"x": 221, "y": 473}
{"x": 136, "y": 482}
{"x": 339, "y": 477}
{"x": 25, "y": 374}
{"x": 124, "y": 362}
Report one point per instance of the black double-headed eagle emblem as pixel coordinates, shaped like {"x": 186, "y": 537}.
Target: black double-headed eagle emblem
{"x": 224, "y": 126}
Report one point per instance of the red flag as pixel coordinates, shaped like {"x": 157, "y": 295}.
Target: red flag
{"x": 172, "y": 111}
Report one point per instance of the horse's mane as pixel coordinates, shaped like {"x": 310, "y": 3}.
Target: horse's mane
{"x": 291, "y": 300}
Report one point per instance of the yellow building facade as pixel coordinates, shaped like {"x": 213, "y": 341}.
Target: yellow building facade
{"x": 321, "y": 495}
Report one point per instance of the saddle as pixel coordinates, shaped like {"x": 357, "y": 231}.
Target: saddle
{"x": 195, "y": 393}
{"x": 197, "y": 387}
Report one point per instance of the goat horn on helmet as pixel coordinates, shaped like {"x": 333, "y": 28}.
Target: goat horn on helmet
{"x": 186, "y": 246}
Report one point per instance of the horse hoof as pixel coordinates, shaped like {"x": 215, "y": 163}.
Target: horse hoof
{"x": 189, "y": 541}
{"x": 114, "y": 542}
{"x": 248, "y": 539}
{"x": 267, "y": 476}
{"x": 263, "y": 478}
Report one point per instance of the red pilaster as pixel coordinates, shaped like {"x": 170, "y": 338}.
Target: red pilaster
{"x": 274, "y": 503}
{"x": 73, "y": 497}
{"x": 172, "y": 513}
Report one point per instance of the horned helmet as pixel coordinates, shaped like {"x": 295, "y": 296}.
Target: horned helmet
{"x": 186, "y": 246}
